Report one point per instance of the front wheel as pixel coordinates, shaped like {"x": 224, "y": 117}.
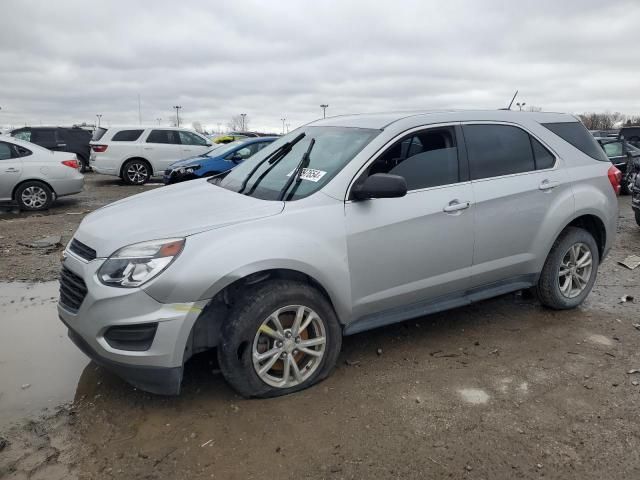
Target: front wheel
{"x": 280, "y": 337}
{"x": 136, "y": 172}
{"x": 570, "y": 270}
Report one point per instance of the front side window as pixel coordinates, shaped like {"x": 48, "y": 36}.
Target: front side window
{"x": 428, "y": 158}
{"x": 5, "y": 151}
{"x": 164, "y": 136}
{"x": 188, "y": 138}
{"x": 496, "y": 150}
{"x": 127, "y": 135}
{"x": 44, "y": 136}
{"x": 332, "y": 149}
{"x": 577, "y": 135}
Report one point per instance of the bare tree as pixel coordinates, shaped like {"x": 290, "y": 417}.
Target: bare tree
{"x": 633, "y": 120}
{"x": 236, "y": 123}
{"x": 601, "y": 121}
{"x": 197, "y": 126}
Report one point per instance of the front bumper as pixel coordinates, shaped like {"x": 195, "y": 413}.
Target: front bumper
{"x": 157, "y": 369}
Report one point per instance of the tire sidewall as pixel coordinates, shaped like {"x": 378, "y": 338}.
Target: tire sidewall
{"x": 575, "y": 235}
{"x": 126, "y": 166}
{"x": 243, "y": 323}
{"x": 24, "y": 186}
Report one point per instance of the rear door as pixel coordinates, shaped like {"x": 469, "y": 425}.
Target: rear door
{"x": 10, "y": 170}
{"x": 161, "y": 148}
{"x": 515, "y": 180}
{"x": 47, "y": 138}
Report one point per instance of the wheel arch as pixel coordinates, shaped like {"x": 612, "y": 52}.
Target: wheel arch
{"x": 121, "y": 173}
{"x": 205, "y": 333}
{"x": 40, "y": 180}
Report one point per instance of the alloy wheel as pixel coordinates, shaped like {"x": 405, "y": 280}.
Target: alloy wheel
{"x": 137, "y": 173}
{"x": 289, "y": 346}
{"x": 34, "y": 197}
{"x": 575, "y": 270}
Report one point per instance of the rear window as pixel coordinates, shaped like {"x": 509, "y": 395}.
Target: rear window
{"x": 98, "y": 133}
{"x": 577, "y": 135}
{"x": 127, "y": 136}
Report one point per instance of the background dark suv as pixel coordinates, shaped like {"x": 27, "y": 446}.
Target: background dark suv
{"x": 631, "y": 134}
{"x": 63, "y": 139}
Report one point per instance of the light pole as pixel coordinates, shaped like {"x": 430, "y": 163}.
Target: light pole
{"x": 177, "y": 107}
{"x": 244, "y": 116}
{"x": 521, "y": 105}
{"x": 288, "y": 125}
{"x": 324, "y": 107}
{"x": 283, "y": 120}
{"x": 99, "y": 116}
{"x": 158, "y": 120}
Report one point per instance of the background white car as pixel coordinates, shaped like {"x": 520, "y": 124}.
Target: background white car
{"x": 135, "y": 154}
{"x": 33, "y": 176}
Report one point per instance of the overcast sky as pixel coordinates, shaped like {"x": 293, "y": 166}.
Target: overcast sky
{"x": 65, "y": 61}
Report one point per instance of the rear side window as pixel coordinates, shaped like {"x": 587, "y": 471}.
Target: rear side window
{"x": 5, "y": 151}
{"x": 496, "y": 150}
{"x": 127, "y": 136}
{"x": 98, "y": 133}
{"x": 577, "y": 135}
{"x": 163, "y": 136}
{"x": 543, "y": 157}
{"x": 47, "y": 136}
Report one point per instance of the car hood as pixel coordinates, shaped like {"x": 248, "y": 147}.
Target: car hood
{"x": 174, "y": 211}
{"x": 197, "y": 160}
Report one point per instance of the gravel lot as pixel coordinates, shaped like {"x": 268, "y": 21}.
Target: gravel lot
{"x": 498, "y": 390}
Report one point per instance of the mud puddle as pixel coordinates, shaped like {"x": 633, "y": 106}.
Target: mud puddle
{"x": 39, "y": 366}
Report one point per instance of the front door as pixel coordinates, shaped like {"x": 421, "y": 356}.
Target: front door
{"x": 418, "y": 248}
{"x": 162, "y": 148}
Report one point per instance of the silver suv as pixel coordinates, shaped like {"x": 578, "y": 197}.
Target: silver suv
{"x": 341, "y": 226}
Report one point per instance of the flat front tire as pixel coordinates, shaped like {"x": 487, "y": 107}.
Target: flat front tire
{"x": 570, "y": 270}
{"x": 280, "y": 337}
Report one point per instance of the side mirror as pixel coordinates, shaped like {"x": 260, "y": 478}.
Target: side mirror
{"x": 208, "y": 145}
{"x": 381, "y": 185}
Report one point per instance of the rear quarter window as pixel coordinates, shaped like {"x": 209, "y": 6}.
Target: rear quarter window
{"x": 577, "y": 135}
{"x": 98, "y": 133}
{"x": 127, "y": 136}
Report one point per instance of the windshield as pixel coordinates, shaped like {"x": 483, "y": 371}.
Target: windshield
{"x": 334, "y": 148}
{"x": 223, "y": 149}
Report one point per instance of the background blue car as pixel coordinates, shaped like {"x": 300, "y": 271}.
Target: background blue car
{"x": 217, "y": 160}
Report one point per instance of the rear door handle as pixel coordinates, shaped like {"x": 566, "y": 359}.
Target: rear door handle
{"x": 548, "y": 185}
{"x": 148, "y": 148}
{"x": 455, "y": 205}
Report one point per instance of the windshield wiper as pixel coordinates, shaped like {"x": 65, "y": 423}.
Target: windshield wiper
{"x": 272, "y": 158}
{"x": 296, "y": 175}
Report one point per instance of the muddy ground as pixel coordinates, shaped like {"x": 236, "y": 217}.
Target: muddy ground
{"x": 499, "y": 390}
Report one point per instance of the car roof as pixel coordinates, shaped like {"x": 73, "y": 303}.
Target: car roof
{"x": 23, "y": 143}
{"x": 382, "y": 120}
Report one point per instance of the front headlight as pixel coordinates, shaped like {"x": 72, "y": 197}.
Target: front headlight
{"x": 189, "y": 169}
{"x": 136, "y": 264}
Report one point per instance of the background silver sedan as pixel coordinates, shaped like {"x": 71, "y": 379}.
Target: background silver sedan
{"x": 33, "y": 177}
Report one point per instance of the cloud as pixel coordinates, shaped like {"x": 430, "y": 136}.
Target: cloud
{"x": 63, "y": 62}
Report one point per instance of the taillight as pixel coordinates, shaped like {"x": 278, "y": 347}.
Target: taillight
{"x": 615, "y": 177}
{"x": 71, "y": 163}
{"x": 99, "y": 148}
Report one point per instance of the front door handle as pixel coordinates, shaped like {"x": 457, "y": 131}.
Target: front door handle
{"x": 148, "y": 148}
{"x": 548, "y": 185}
{"x": 12, "y": 170}
{"x": 455, "y": 205}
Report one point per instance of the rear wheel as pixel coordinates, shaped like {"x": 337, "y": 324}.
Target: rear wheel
{"x": 570, "y": 270}
{"x": 281, "y": 337}
{"x": 628, "y": 181}
{"x": 136, "y": 172}
{"x": 34, "y": 196}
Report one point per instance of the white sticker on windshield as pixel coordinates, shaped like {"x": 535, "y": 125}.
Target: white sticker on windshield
{"x": 310, "y": 174}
